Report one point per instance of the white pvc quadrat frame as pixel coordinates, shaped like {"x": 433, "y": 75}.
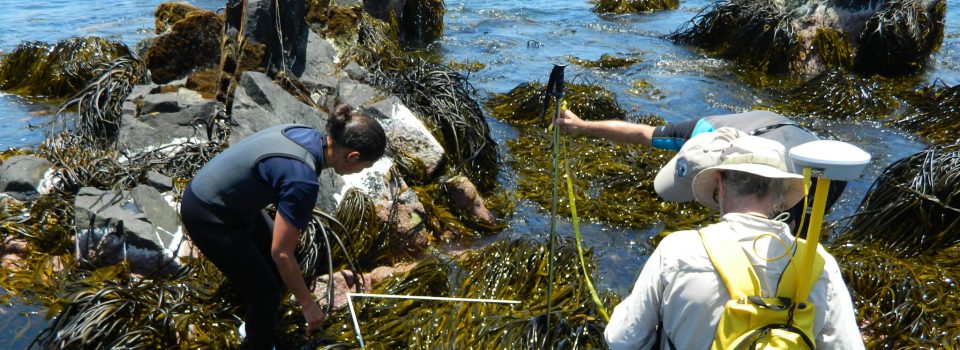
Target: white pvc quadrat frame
{"x": 356, "y": 324}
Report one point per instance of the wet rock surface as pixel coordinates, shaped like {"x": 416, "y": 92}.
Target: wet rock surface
{"x": 20, "y": 176}
{"x": 260, "y": 103}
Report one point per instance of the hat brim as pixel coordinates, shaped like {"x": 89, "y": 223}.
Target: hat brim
{"x": 705, "y": 183}
{"x": 667, "y": 186}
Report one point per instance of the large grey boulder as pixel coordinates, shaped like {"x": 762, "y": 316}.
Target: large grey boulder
{"x": 355, "y": 93}
{"x": 153, "y": 128}
{"x": 137, "y": 226}
{"x": 259, "y": 103}
{"x": 320, "y": 64}
{"x": 20, "y": 176}
{"x": 407, "y": 133}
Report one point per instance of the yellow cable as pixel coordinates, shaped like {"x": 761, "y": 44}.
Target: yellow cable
{"x": 576, "y": 229}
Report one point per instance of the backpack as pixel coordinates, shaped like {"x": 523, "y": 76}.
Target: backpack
{"x": 749, "y": 320}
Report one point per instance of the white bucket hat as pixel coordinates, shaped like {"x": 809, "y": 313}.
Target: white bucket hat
{"x": 754, "y": 155}
{"x": 674, "y": 181}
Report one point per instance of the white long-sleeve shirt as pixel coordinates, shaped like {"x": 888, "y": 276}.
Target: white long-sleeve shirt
{"x": 680, "y": 286}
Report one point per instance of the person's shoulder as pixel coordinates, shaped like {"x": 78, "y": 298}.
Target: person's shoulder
{"x": 679, "y": 239}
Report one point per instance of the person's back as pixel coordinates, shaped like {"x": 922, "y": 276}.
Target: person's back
{"x": 680, "y": 296}
{"x": 693, "y": 294}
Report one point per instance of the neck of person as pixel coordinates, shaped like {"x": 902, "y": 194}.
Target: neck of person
{"x": 749, "y": 205}
{"x": 328, "y": 156}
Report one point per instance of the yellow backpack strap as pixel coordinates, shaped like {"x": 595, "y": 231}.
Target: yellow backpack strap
{"x": 788, "y": 280}
{"x": 731, "y": 262}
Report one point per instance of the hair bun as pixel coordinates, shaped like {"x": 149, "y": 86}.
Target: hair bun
{"x": 344, "y": 111}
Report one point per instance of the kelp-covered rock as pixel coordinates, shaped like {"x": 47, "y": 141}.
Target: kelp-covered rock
{"x": 605, "y": 61}
{"x": 260, "y": 24}
{"x": 837, "y": 94}
{"x": 936, "y": 116}
{"x": 447, "y": 104}
{"x": 808, "y": 37}
{"x": 902, "y": 303}
{"x": 421, "y": 22}
{"x": 912, "y": 207}
{"x": 633, "y": 6}
{"x": 38, "y": 69}
{"x": 151, "y": 130}
{"x": 169, "y": 14}
{"x": 506, "y": 270}
{"x": 900, "y": 36}
{"x": 199, "y": 33}
{"x": 524, "y": 104}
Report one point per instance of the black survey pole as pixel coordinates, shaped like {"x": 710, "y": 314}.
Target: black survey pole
{"x": 554, "y": 91}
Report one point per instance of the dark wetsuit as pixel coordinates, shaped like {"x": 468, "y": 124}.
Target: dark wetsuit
{"x": 763, "y": 124}
{"x": 239, "y": 242}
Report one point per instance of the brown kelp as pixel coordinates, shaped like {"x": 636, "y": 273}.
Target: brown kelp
{"x": 110, "y": 308}
{"x": 98, "y": 104}
{"x": 633, "y": 6}
{"x": 757, "y": 33}
{"x": 936, "y": 114}
{"x": 445, "y": 101}
{"x": 900, "y": 36}
{"x": 902, "y": 303}
{"x": 506, "y": 270}
{"x": 523, "y": 105}
{"x": 613, "y": 182}
{"x": 913, "y": 208}
{"x": 41, "y": 70}
{"x": 838, "y": 94}
{"x": 605, "y": 61}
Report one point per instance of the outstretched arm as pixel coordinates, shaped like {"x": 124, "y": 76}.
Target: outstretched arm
{"x": 285, "y": 239}
{"x": 613, "y": 130}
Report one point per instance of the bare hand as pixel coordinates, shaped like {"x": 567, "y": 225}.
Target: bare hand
{"x": 569, "y": 122}
{"x": 314, "y": 317}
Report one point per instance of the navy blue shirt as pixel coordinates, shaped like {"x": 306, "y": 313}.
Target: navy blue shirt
{"x": 295, "y": 183}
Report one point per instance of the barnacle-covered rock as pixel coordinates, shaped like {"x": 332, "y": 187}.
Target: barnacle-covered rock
{"x": 199, "y": 33}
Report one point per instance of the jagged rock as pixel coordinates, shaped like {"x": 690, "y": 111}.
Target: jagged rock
{"x": 321, "y": 58}
{"x": 377, "y": 183}
{"x": 20, "y": 176}
{"x": 170, "y": 13}
{"x": 354, "y": 93}
{"x": 155, "y": 129}
{"x": 260, "y": 103}
{"x": 355, "y": 71}
{"x": 187, "y": 97}
{"x": 159, "y": 181}
{"x": 113, "y": 226}
{"x": 197, "y": 34}
{"x": 160, "y": 103}
{"x": 407, "y": 133}
{"x": 260, "y": 26}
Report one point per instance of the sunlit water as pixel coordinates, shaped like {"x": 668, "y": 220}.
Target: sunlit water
{"x": 518, "y": 41}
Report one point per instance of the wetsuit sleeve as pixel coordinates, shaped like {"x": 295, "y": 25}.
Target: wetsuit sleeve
{"x": 673, "y": 136}
{"x": 296, "y": 186}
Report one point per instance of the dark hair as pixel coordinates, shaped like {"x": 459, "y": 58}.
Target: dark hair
{"x": 358, "y": 131}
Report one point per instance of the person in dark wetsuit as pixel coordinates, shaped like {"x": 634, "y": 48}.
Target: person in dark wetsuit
{"x": 765, "y": 124}
{"x": 222, "y": 209}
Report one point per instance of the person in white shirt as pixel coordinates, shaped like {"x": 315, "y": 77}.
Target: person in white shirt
{"x": 679, "y": 296}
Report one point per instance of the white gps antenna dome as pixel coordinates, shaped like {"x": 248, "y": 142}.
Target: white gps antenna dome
{"x": 834, "y": 160}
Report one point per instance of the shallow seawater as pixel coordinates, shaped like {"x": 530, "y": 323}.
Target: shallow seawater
{"x": 518, "y": 41}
